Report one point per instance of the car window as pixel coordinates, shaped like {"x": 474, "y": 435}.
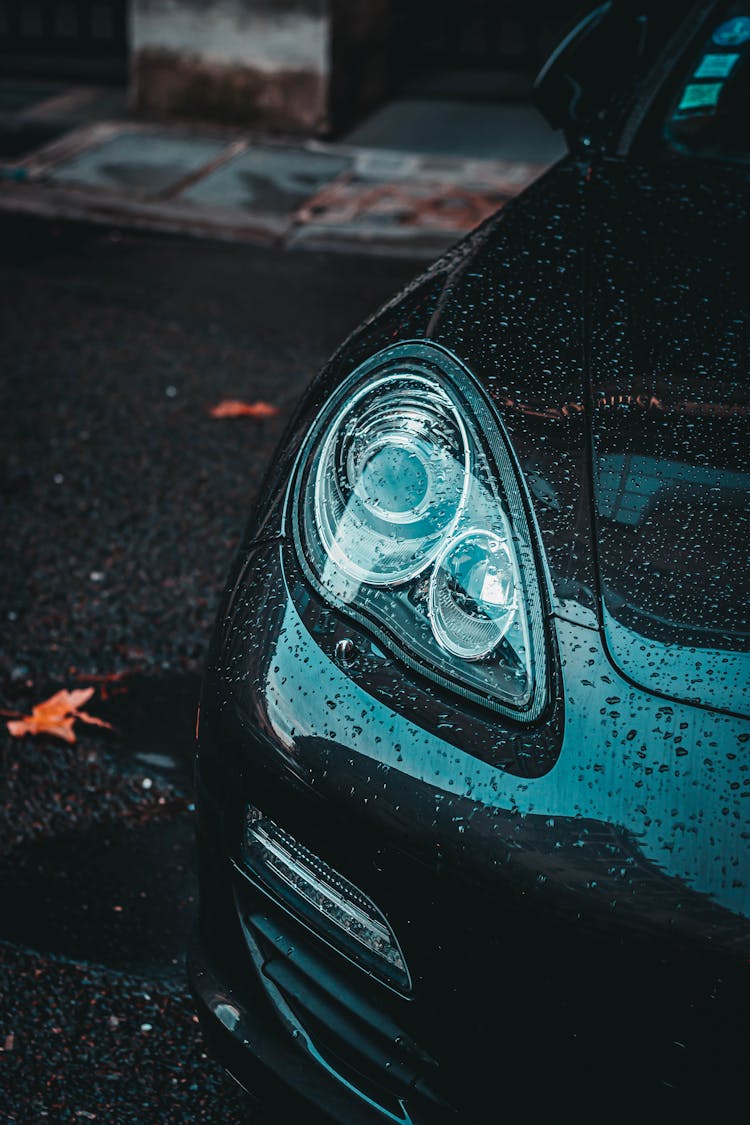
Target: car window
{"x": 708, "y": 102}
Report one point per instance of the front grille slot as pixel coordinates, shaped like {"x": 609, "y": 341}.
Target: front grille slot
{"x": 359, "y": 1040}
{"x": 307, "y": 966}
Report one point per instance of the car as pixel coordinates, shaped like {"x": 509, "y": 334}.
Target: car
{"x": 473, "y": 771}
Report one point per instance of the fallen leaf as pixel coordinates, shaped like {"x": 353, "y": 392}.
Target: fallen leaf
{"x": 57, "y": 715}
{"x": 30, "y": 724}
{"x": 236, "y": 408}
{"x": 92, "y": 719}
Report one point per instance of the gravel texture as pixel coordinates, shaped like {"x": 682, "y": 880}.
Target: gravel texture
{"x": 83, "y": 1043}
{"x": 122, "y": 498}
{"x": 121, "y": 502}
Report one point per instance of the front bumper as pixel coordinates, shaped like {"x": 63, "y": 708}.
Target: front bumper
{"x": 262, "y": 983}
{"x": 582, "y": 918}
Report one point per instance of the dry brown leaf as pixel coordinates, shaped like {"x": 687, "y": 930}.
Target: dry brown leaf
{"x": 236, "y": 408}
{"x": 57, "y": 715}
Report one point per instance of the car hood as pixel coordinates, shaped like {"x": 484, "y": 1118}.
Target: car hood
{"x": 668, "y": 367}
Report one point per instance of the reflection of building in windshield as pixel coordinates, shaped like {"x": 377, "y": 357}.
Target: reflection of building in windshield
{"x": 674, "y": 548}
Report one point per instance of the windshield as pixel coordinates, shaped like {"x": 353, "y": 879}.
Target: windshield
{"x": 707, "y": 110}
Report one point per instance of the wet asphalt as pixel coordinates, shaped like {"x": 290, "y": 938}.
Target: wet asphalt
{"x": 121, "y": 503}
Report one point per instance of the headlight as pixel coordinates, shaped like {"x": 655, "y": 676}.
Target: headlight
{"x": 408, "y": 516}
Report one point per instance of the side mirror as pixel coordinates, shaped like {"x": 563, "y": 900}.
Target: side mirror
{"x": 594, "y": 61}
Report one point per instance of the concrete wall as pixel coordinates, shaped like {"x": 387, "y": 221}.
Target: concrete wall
{"x": 360, "y": 63}
{"x": 252, "y": 62}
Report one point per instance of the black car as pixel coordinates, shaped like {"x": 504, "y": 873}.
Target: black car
{"x": 474, "y": 750}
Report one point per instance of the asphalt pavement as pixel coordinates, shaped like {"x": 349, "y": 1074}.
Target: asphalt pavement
{"x": 121, "y": 502}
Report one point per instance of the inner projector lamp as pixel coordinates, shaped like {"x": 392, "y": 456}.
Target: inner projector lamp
{"x": 323, "y": 899}
{"x": 473, "y": 598}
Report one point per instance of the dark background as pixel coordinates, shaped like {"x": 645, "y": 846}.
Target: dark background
{"x": 468, "y": 48}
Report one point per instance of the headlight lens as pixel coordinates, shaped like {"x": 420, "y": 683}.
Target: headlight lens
{"x": 409, "y": 517}
{"x": 474, "y": 593}
{"x": 391, "y": 479}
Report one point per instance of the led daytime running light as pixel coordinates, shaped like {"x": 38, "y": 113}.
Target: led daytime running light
{"x": 322, "y": 897}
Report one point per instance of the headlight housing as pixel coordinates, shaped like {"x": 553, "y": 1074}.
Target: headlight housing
{"x": 408, "y": 516}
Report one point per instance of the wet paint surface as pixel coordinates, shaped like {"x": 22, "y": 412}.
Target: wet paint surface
{"x": 670, "y": 778}
{"x": 614, "y": 832}
{"x": 672, "y": 478}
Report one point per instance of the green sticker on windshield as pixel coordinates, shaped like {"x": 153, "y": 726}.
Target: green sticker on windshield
{"x": 715, "y": 66}
{"x": 700, "y": 95}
